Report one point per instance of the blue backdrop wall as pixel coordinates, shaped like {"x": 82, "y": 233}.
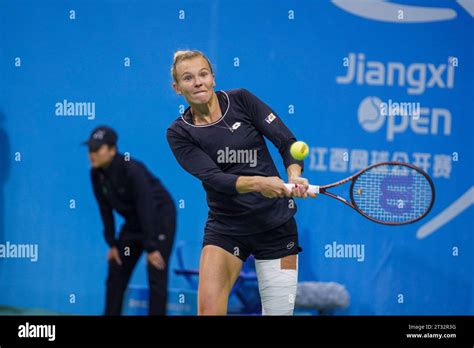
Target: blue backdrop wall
{"x": 296, "y": 56}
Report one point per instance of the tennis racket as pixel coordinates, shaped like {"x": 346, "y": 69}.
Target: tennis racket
{"x": 389, "y": 193}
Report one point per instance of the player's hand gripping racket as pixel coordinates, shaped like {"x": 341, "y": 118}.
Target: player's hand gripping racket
{"x": 390, "y": 193}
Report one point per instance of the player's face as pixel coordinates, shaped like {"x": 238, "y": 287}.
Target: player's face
{"x": 195, "y": 80}
{"x": 102, "y": 157}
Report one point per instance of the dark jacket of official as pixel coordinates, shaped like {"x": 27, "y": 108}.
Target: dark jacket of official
{"x": 127, "y": 186}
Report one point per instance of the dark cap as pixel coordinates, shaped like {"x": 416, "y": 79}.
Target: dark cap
{"x": 100, "y": 136}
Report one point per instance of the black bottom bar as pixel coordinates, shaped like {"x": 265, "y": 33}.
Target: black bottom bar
{"x": 133, "y": 331}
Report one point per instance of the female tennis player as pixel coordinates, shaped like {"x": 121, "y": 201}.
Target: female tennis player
{"x": 220, "y": 140}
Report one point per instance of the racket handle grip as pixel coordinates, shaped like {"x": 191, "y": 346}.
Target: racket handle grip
{"x": 311, "y": 188}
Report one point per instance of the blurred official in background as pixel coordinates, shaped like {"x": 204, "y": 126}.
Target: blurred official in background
{"x": 127, "y": 186}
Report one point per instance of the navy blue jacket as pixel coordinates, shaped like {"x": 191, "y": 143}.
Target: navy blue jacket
{"x": 127, "y": 186}
{"x": 218, "y": 153}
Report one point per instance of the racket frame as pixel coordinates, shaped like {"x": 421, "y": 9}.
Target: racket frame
{"x": 352, "y": 204}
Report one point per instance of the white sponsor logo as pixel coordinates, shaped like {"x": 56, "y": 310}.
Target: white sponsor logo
{"x": 425, "y": 121}
{"x": 66, "y": 108}
{"x": 384, "y": 11}
{"x": 99, "y": 135}
{"x": 269, "y": 119}
{"x": 37, "y": 331}
{"x": 290, "y": 245}
{"x": 417, "y": 76}
{"x": 345, "y": 251}
{"x": 236, "y": 125}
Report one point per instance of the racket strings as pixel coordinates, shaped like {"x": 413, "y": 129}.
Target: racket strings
{"x": 391, "y": 195}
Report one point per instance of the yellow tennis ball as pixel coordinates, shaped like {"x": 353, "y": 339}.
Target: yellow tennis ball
{"x": 299, "y": 150}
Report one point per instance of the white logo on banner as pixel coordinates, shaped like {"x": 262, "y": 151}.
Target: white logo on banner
{"x": 369, "y": 115}
{"x": 432, "y": 121}
{"x": 342, "y": 160}
{"x": 448, "y": 214}
{"x": 400, "y": 116}
{"x": 384, "y": 11}
{"x": 417, "y": 77}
